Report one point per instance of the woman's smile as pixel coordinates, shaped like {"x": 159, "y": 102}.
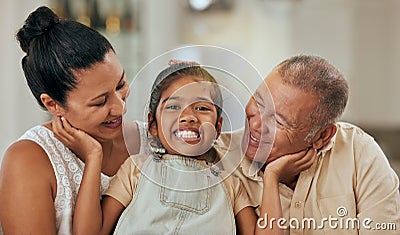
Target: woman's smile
{"x": 115, "y": 123}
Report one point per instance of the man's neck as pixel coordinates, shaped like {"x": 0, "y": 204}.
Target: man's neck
{"x": 292, "y": 182}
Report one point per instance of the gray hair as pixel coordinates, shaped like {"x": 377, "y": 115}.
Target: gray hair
{"x": 315, "y": 74}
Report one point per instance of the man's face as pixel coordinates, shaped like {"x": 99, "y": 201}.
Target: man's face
{"x": 259, "y": 133}
{"x": 292, "y": 108}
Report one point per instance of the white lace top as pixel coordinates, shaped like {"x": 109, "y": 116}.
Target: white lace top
{"x": 68, "y": 170}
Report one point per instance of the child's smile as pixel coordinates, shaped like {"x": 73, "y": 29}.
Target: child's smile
{"x": 186, "y": 118}
{"x": 190, "y": 136}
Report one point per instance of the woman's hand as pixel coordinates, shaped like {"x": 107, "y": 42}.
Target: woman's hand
{"x": 81, "y": 143}
{"x": 286, "y": 168}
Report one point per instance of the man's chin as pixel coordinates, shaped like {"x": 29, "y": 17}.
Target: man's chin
{"x": 249, "y": 157}
{"x": 249, "y": 153}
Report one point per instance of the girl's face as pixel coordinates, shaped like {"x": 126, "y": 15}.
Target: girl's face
{"x": 186, "y": 118}
{"x": 97, "y": 103}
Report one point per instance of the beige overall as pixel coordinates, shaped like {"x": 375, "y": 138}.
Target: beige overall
{"x": 178, "y": 195}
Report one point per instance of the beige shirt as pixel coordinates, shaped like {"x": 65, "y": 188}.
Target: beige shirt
{"x": 351, "y": 184}
{"x": 123, "y": 185}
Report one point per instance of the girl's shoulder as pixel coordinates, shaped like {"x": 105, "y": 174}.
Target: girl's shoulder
{"x": 135, "y": 137}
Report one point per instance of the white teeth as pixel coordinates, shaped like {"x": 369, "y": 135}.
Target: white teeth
{"x": 254, "y": 139}
{"x": 187, "y": 134}
{"x": 113, "y": 121}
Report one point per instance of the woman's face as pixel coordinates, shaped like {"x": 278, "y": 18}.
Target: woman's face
{"x": 97, "y": 103}
{"x": 186, "y": 118}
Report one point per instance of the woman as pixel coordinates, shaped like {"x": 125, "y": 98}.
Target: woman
{"x": 73, "y": 72}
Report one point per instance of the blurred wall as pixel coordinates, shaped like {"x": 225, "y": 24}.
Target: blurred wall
{"x": 360, "y": 37}
{"x": 19, "y": 110}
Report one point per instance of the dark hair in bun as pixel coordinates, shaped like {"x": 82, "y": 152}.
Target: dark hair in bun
{"x": 37, "y": 23}
{"x": 55, "y": 49}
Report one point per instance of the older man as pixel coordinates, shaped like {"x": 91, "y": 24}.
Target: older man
{"x": 350, "y": 188}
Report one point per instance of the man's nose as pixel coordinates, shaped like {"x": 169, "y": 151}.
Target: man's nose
{"x": 253, "y": 116}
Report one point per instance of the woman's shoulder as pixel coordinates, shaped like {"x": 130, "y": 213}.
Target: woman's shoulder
{"x": 27, "y": 179}
{"x": 25, "y": 148}
{"x": 26, "y": 160}
{"x": 26, "y": 156}
{"x": 37, "y": 133}
{"x": 25, "y": 152}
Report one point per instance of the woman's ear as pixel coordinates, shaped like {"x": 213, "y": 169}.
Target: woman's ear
{"x": 324, "y": 136}
{"x": 152, "y": 125}
{"x": 218, "y": 127}
{"x": 52, "y": 106}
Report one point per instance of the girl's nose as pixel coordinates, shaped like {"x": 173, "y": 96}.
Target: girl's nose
{"x": 188, "y": 115}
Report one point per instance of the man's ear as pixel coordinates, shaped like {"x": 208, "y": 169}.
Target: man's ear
{"x": 152, "y": 125}
{"x": 324, "y": 136}
{"x": 218, "y": 127}
{"x": 51, "y": 105}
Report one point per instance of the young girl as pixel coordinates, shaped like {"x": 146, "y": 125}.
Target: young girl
{"x": 178, "y": 188}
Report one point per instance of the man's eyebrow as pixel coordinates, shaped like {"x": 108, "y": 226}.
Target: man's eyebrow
{"x": 258, "y": 95}
{"x": 283, "y": 118}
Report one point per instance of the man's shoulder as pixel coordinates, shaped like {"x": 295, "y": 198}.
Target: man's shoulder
{"x": 348, "y": 131}
{"x": 351, "y": 138}
{"x": 347, "y": 126}
{"x": 230, "y": 139}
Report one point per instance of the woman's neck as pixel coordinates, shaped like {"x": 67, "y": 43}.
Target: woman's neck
{"x": 107, "y": 149}
{"x": 114, "y": 154}
{"x": 108, "y": 165}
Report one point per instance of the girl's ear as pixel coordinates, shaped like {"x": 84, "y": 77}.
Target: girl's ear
{"x": 218, "y": 127}
{"x": 152, "y": 125}
{"x": 52, "y": 106}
